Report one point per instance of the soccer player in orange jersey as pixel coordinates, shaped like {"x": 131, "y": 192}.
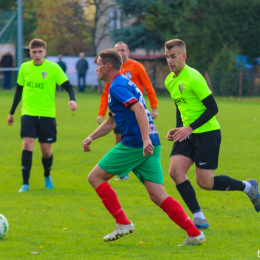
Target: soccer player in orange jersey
{"x": 134, "y": 71}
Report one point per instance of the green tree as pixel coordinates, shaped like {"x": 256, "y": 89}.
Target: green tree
{"x": 64, "y": 27}
{"x": 137, "y": 34}
{"x": 224, "y": 73}
{"x": 206, "y": 26}
{"x": 9, "y": 5}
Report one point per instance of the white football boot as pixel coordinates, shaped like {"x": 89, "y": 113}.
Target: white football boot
{"x": 198, "y": 240}
{"x": 119, "y": 231}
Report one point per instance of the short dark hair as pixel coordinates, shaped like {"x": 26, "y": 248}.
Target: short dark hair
{"x": 112, "y": 57}
{"x": 173, "y": 43}
{"x": 37, "y": 43}
{"x": 121, "y": 42}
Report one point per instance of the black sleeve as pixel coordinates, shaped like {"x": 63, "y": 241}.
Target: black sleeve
{"x": 69, "y": 88}
{"x": 211, "y": 110}
{"x": 179, "y": 122}
{"x": 17, "y": 98}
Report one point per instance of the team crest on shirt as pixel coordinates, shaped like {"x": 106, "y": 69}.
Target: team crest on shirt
{"x": 128, "y": 75}
{"x": 109, "y": 98}
{"x": 44, "y": 74}
{"x": 181, "y": 88}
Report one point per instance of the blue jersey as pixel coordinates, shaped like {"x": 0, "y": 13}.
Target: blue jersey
{"x": 123, "y": 93}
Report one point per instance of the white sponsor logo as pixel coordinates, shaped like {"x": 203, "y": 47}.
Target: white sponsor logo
{"x": 49, "y": 139}
{"x": 23, "y": 168}
{"x": 128, "y": 75}
{"x": 202, "y": 163}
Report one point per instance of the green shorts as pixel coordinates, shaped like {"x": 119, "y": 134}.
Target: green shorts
{"x": 122, "y": 159}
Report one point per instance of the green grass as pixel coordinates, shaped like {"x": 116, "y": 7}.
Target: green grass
{"x": 69, "y": 222}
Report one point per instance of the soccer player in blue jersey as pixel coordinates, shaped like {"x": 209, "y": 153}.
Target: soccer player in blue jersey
{"x": 139, "y": 151}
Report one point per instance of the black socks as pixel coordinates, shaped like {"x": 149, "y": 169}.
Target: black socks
{"x": 226, "y": 183}
{"x": 47, "y": 164}
{"x": 26, "y": 165}
{"x": 189, "y": 196}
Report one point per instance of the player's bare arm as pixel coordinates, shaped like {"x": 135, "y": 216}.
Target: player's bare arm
{"x": 73, "y": 105}
{"x": 154, "y": 113}
{"x": 143, "y": 123}
{"x": 102, "y": 130}
{"x": 10, "y": 119}
{"x": 100, "y": 119}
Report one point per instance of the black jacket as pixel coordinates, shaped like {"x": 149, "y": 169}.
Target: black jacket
{"x": 7, "y": 61}
{"x": 82, "y": 67}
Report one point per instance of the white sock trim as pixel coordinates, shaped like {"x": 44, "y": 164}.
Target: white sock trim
{"x": 199, "y": 215}
{"x": 248, "y": 186}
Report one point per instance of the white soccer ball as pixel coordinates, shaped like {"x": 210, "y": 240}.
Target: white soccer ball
{"x": 4, "y": 226}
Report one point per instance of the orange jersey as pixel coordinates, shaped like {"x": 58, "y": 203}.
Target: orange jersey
{"x": 134, "y": 71}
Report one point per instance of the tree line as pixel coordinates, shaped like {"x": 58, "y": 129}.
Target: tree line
{"x": 214, "y": 31}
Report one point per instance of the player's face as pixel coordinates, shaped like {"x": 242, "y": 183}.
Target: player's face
{"x": 175, "y": 59}
{"x": 101, "y": 69}
{"x": 123, "y": 51}
{"x": 38, "y": 54}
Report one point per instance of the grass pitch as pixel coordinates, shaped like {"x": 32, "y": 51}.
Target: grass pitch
{"x": 69, "y": 221}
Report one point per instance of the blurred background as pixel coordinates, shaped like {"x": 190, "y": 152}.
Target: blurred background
{"x": 222, "y": 37}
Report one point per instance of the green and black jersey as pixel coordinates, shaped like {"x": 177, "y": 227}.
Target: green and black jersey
{"x": 188, "y": 90}
{"x": 39, "y": 86}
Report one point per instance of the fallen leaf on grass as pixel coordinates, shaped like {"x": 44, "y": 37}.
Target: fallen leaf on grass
{"x": 65, "y": 228}
{"x": 34, "y": 253}
{"x": 80, "y": 208}
{"x": 141, "y": 243}
{"x": 41, "y": 247}
{"x": 237, "y": 216}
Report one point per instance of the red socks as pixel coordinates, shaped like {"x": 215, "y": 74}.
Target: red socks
{"x": 177, "y": 214}
{"x": 110, "y": 200}
{"x": 169, "y": 205}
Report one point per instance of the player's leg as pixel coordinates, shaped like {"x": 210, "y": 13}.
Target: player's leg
{"x": 206, "y": 180}
{"x": 28, "y": 144}
{"x": 47, "y": 160}
{"x": 98, "y": 179}
{"x": 181, "y": 160}
{"x": 28, "y": 133}
{"x": 206, "y": 161}
{"x": 47, "y": 133}
{"x": 150, "y": 173}
{"x": 112, "y": 164}
{"x": 175, "y": 212}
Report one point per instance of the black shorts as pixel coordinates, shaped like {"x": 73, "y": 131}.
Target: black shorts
{"x": 42, "y": 127}
{"x": 203, "y": 149}
{"x": 117, "y": 131}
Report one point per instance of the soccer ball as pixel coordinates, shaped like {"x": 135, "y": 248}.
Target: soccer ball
{"x": 4, "y": 226}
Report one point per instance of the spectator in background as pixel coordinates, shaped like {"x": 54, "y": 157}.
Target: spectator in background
{"x": 82, "y": 68}
{"x": 63, "y": 66}
{"x": 7, "y": 62}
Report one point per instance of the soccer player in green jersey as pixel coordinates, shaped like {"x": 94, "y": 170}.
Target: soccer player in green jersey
{"x": 197, "y": 135}
{"x": 36, "y": 86}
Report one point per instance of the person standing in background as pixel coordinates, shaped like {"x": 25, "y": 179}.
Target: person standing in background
{"x": 82, "y": 68}
{"x": 7, "y": 62}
